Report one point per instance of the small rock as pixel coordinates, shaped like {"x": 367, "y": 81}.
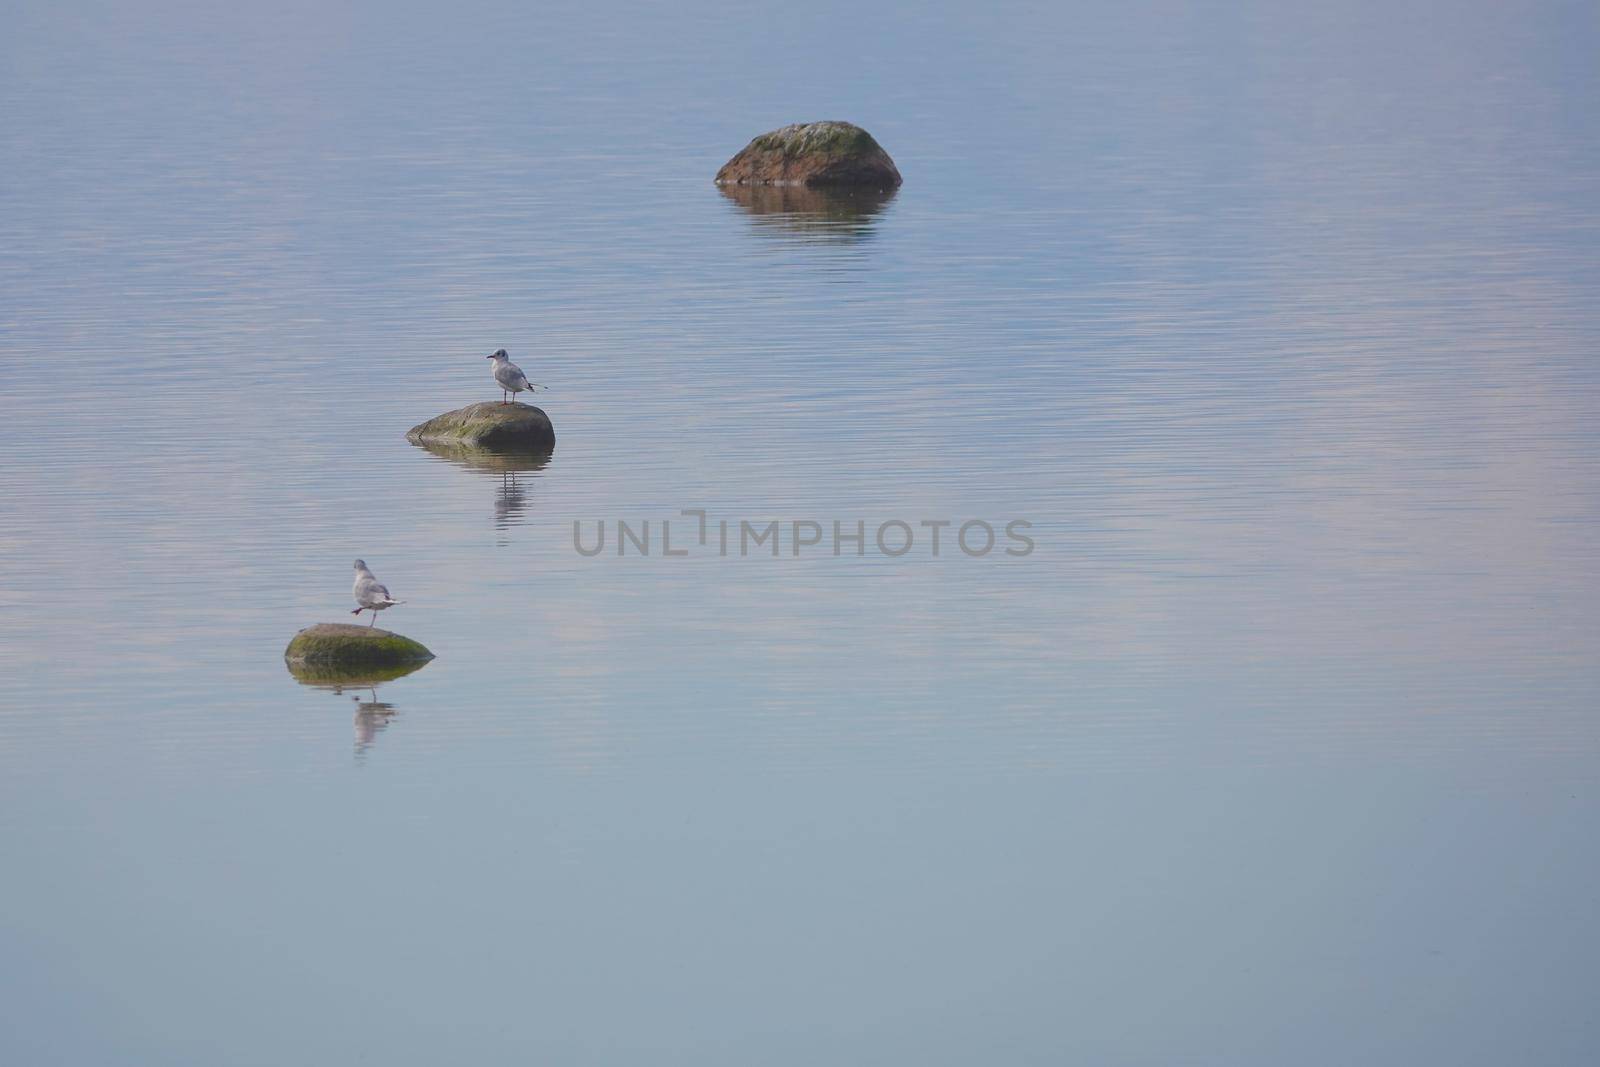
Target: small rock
{"x": 490, "y": 425}
{"x": 342, "y": 644}
{"x": 812, "y": 153}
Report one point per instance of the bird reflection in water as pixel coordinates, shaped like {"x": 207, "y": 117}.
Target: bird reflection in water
{"x": 372, "y": 715}
{"x": 510, "y": 504}
{"x": 815, "y": 215}
{"x": 511, "y": 497}
{"x": 372, "y": 718}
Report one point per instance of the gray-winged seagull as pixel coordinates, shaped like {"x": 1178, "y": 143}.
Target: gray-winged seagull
{"x": 370, "y": 594}
{"x": 510, "y": 376}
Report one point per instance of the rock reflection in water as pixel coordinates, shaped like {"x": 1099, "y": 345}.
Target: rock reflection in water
{"x": 829, "y": 215}
{"x": 372, "y": 715}
{"x": 511, "y": 499}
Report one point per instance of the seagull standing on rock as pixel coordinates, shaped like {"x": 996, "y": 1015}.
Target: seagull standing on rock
{"x": 370, "y": 594}
{"x": 510, "y": 376}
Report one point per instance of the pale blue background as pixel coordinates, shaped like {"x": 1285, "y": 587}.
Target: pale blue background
{"x": 1278, "y": 321}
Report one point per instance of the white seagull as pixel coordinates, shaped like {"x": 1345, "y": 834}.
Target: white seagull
{"x": 510, "y": 376}
{"x": 370, "y": 594}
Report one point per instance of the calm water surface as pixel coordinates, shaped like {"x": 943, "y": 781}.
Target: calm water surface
{"x": 1278, "y": 323}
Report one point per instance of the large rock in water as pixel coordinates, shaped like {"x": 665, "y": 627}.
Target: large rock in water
{"x": 342, "y": 644}
{"x": 490, "y": 425}
{"x": 812, "y": 153}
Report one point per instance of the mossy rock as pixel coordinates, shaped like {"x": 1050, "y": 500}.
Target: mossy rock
{"x": 812, "y": 153}
{"x": 491, "y": 425}
{"x": 341, "y": 645}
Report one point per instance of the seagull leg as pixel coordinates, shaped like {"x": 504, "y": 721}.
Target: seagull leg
{"x": 374, "y": 617}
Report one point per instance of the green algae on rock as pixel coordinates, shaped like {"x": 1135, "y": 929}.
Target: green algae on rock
{"x": 490, "y": 425}
{"x": 330, "y": 645}
{"x": 812, "y": 153}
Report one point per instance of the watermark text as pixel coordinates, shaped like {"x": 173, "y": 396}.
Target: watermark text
{"x": 697, "y": 533}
